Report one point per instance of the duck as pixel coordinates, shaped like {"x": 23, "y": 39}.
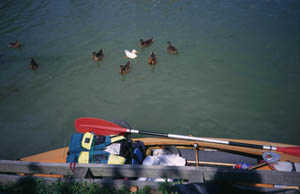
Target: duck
{"x": 152, "y": 59}
{"x": 33, "y": 66}
{"x": 125, "y": 68}
{"x": 171, "y": 49}
{"x": 98, "y": 56}
{"x": 146, "y": 43}
{"x": 132, "y": 54}
{"x": 16, "y": 44}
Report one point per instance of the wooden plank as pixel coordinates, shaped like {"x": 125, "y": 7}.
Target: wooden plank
{"x": 252, "y": 176}
{"x": 80, "y": 172}
{"x": 194, "y": 174}
{"x": 173, "y": 172}
{"x": 8, "y": 166}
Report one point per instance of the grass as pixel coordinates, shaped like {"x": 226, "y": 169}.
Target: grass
{"x": 31, "y": 186}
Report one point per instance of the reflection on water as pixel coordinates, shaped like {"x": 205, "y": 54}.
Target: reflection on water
{"x": 236, "y": 75}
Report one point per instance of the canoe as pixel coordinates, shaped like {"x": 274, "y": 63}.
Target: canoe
{"x": 60, "y": 155}
{"x": 205, "y": 154}
{"x": 201, "y": 154}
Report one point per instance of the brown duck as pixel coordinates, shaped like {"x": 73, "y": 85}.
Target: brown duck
{"x": 125, "y": 68}
{"x": 152, "y": 59}
{"x": 16, "y": 44}
{"x": 171, "y": 49}
{"x": 145, "y": 43}
{"x": 98, "y": 56}
{"x": 33, "y": 66}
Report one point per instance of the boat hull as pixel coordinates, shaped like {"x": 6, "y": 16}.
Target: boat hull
{"x": 60, "y": 155}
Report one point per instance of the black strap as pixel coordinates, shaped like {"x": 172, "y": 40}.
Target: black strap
{"x": 294, "y": 167}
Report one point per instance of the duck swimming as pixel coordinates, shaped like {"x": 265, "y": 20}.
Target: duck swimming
{"x": 16, "y": 44}
{"x": 171, "y": 49}
{"x": 125, "y": 68}
{"x": 152, "y": 59}
{"x": 33, "y": 66}
{"x": 98, "y": 56}
{"x": 146, "y": 43}
{"x": 132, "y": 54}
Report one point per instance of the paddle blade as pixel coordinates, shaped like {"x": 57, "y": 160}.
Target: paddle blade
{"x": 290, "y": 150}
{"x": 98, "y": 126}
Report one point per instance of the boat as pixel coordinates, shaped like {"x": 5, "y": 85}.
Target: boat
{"x": 195, "y": 153}
{"x": 231, "y": 154}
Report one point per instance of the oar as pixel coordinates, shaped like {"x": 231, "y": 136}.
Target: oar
{"x": 103, "y": 127}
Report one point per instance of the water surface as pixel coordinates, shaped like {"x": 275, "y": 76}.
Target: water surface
{"x": 237, "y": 74}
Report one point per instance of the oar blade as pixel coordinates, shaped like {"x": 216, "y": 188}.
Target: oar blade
{"x": 98, "y": 126}
{"x": 290, "y": 150}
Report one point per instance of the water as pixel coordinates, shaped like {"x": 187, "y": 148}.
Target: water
{"x": 237, "y": 74}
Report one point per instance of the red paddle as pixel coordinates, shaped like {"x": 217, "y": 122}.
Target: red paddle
{"x": 98, "y": 126}
{"x": 103, "y": 127}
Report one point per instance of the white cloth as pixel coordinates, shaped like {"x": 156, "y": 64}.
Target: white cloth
{"x": 163, "y": 160}
{"x": 297, "y": 166}
{"x": 286, "y": 166}
{"x": 113, "y": 148}
{"x": 158, "y": 152}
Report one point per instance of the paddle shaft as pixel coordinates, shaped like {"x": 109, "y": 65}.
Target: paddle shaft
{"x": 184, "y": 137}
{"x": 103, "y": 127}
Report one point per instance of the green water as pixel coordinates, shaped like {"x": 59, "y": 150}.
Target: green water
{"x": 237, "y": 74}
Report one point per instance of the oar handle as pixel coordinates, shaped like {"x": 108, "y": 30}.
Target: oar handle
{"x": 246, "y": 145}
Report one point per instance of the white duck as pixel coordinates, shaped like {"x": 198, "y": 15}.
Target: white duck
{"x": 132, "y": 54}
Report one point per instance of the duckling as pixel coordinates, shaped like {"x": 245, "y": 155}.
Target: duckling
{"x": 33, "y": 66}
{"x": 132, "y": 54}
{"x": 152, "y": 59}
{"x": 146, "y": 43}
{"x": 98, "y": 56}
{"x": 171, "y": 49}
{"x": 16, "y": 44}
{"x": 125, "y": 68}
